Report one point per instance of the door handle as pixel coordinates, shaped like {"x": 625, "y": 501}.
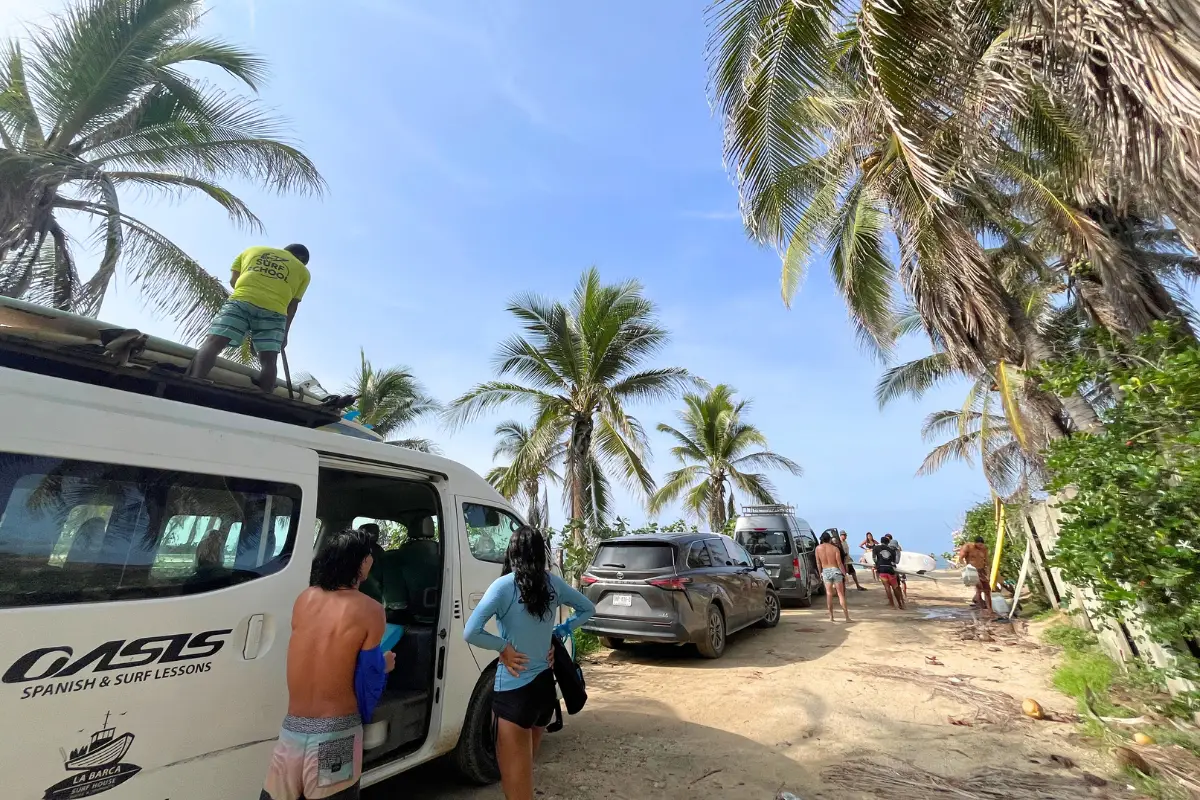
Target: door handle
{"x": 253, "y": 637}
{"x": 474, "y": 599}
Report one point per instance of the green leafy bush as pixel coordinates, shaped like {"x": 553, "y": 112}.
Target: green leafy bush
{"x": 1131, "y": 525}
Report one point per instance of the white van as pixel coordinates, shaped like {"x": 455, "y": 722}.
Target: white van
{"x": 150, "y": 553}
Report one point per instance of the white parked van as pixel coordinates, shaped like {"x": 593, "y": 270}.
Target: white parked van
{"x": 150, "y": 553}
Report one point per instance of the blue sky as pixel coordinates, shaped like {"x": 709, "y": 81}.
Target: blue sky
{"x": 477, "y": 150}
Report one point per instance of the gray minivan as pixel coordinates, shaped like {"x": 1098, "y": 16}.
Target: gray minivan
{"x": 787, "y": 546}
{"x": 683, "y": 588}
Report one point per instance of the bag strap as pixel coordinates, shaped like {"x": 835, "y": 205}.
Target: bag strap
{"x": 556, "y": 724}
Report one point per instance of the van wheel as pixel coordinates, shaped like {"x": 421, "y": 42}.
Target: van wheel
{"x": 771, "y": 619}
{"x": 806, "y": 601}
{"x": 613, "y": 642}
{"x": 475, "y": 755}
{"x": 713, "y": 643}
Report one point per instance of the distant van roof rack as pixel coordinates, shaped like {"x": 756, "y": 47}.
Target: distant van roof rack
{"x": 762, "y": 511}
{"x": 60, "y": 344}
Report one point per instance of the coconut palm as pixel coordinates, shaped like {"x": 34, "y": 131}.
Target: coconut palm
{"x": 717, "y": 447}
{"x": 577, "y": 366}
{"x": 391, "y": 399}
{"x": 530, "y": 470}
{"x": 100, "y": 102}
{"x": 926, "y": 119}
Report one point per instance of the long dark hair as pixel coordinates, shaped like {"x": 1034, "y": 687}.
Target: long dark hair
{"x": 526, "y": 557}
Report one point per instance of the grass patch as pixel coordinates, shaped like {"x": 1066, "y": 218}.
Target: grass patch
{"x": 585, "y": 644}
{"x": 1085, "y": 667}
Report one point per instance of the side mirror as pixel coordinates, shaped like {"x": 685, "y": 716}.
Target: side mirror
{"x": 759, "y": 563}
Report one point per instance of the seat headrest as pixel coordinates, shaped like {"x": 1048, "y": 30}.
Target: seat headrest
{"x": 428, "y": 531}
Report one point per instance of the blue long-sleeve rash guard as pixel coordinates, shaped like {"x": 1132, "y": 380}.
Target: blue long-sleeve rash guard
{"x": 528, "y": 634}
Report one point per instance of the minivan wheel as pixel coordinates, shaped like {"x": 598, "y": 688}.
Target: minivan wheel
{"x": 771, "y": 619}
{"x": 475, "y": 755}
{"x": 613, "y": 642}
{"x": 713, "y": 643}
{"x": 806, "y": 601}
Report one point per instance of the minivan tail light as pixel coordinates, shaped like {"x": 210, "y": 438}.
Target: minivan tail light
{"x": 796, "y": 568}
{"x": 588, "y": 580}
{"x": 673, "y": 584}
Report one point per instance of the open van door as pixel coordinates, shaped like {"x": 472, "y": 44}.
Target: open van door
{"x": 147, "y": 574}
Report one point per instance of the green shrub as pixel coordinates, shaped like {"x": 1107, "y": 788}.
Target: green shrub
{"x": 1129, "y": 532}
{"x": 585, "y": 644}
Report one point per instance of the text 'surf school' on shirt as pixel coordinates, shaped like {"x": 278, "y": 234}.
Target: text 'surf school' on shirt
{"x": 885, "y": 556}
{"x": 269, "y": 278}
{"x": 529, "y": 635}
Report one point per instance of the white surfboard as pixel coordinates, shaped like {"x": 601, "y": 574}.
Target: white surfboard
{"x": 909, "y": 563}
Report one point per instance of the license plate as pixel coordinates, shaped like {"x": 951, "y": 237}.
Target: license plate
{"x": 622, "y": 600}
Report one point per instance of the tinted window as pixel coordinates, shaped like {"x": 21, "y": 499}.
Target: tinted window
{"x": 765, "y": 543}
{"x": 698, "y": 557}
{"x": 737, "y": 554}
{"x": 634, "y": 557}
{"x": 82, "y": 531}
{"x": 489, "y": 531}
{"x": 720, "y": 556}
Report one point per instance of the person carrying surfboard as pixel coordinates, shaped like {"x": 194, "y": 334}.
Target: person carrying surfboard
{"x": 886, "y": 555}
{"x": 844, "y": 543}
{"x": 268, "y": 284}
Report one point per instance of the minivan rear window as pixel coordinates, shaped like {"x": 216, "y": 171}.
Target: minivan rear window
{"x": 765, "y": 543}
{"x": 635, "y": 557}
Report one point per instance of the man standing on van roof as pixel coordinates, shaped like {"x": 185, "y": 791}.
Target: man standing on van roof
{"x": 268, "y": 285}
{"x": 335, "y": 675}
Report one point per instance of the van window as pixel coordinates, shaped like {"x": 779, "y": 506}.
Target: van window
{"x": 489, "y": 531}
{"x": 765, "y": 543}
{"x": 635, "y": 557}
{"x": 82, "y": 532}
{"x": 720, "y": 557}
{"x": 698, "y": 557}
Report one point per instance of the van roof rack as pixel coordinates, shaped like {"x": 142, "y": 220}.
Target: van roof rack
{"x": 775, "y": 508}
{"x": 60, "y": 344}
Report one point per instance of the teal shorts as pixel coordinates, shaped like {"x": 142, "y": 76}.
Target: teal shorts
{"x": 238, "y": 318}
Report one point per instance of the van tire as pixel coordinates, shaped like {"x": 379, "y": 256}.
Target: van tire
{"x": 475, "y": 755}
{"x": 712, "y": 644}
{"x": 806, "y": 601}
{"x": 613, "y": 642}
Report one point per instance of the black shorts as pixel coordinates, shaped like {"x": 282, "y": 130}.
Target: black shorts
{"x": 849, "y": 567}
{"x": 530, "y": 706}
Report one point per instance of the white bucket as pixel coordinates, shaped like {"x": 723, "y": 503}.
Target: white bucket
{"x": 375, "y": 734}
{"x": 999, "y": 604}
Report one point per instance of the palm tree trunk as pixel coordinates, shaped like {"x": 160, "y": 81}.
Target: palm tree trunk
{"x": 1036, "y": 353}
{"x": 577, "y": 453}
{"x": 716, "y": 503}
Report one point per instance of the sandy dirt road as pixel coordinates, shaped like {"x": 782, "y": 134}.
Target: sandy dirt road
{"x": 798, "y": 706}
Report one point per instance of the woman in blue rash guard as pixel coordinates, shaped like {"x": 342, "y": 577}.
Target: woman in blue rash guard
{"x": 523, "y": 603}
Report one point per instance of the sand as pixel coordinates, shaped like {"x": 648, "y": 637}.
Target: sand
{"x": 818, "y": 709}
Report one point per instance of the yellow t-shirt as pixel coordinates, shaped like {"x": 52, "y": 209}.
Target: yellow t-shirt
{"x": 269, "y": 278}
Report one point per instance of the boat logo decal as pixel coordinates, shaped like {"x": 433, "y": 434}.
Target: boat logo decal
{"x": 95, "y": 766}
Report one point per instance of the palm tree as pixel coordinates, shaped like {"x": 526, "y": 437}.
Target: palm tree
{"x": 390, "y": 399}
{"x": 529, "y": 471}
{"x": 976, "y": 430}
{"x": 717, "y": 446}
{"x": 100, "y": 101}
{"x": 927, "y": 118}
{"x": 577, "y": 366}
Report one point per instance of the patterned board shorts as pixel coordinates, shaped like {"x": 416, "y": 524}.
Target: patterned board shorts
{"x": 832, "y": 575}
{"x": 238, "y": 318}
{"x": 316, "y": 759}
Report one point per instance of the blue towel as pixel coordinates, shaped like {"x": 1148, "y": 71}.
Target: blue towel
{"x": 370, "y": 676}
{"x": 391, "y": 637}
